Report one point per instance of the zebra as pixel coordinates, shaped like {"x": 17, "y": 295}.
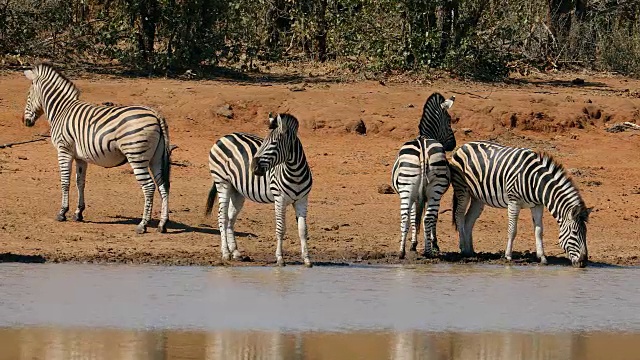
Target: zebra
{"x": 107, "y": 136}
{"x": 421, "y": 173}
{"x": 273, "y": 170}
{"x": 484, "y": 172}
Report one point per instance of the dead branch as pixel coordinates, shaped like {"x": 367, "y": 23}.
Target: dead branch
{"x": 8, "y": 145}
{"x": 474, "y": 95}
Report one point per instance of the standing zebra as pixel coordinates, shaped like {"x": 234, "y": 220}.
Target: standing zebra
{"x": 107, "y": 136}
{"x": 514, "y": 178}
{"x": 421, "y": 173}
{"x": 273, "y": 170}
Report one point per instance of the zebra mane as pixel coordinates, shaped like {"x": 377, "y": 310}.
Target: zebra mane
{"x": 431, "y": 112}
{"x": 549, "y": 159}
{"x": 48, "y": 69}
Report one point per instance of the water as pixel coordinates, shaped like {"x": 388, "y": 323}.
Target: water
{"x": 60, "y": 311}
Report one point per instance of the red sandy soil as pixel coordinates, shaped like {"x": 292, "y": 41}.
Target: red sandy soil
{"x": 349, "y": 221}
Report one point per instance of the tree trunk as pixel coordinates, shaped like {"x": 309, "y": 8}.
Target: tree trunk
{"x": 449, "y": 15}
{"x": 560, "y": 19}
{"x": 321, "y": 35}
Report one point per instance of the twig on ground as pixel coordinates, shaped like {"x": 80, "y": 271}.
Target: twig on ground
{"x": 8, "y": 145}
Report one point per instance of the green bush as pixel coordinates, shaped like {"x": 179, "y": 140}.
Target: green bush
{"x": 473, "y": 38}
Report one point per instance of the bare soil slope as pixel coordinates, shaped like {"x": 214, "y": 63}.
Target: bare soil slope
{"x": 348, "y": 219}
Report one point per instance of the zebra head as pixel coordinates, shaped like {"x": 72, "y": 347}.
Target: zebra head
{"x": 573, "y": 235}
{"x": 436, "y": 121}
{"x": 34, "y": 107}
{"x": 277, "y": 146}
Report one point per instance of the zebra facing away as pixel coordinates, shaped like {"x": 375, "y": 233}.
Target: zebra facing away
{"x": 483, "y": 172}
{"x": 273, "y": 170}
{"x": 421, "y": 174}
{"x": 107, "y": 136}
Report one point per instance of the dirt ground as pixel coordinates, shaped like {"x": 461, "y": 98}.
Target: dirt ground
{"x": 349, "y": 221}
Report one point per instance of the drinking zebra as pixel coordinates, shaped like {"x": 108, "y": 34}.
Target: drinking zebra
{"x": 107, "y": 136}
{"x": 273, "y": 170}
{"x": 421, "y": 173}
{"x": 514, "y": 178}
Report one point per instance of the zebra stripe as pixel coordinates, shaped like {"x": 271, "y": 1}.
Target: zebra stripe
{"x": 107, "y": 136}
{"x": 515, "y": 178}
{"x": 420, "y": 174}
{"x": 273, "y": 170}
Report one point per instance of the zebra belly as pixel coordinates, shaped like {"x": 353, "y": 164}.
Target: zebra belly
{"x": 108, "y": 160}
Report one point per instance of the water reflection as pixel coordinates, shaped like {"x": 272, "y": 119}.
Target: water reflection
{"x": 98, "y": 344}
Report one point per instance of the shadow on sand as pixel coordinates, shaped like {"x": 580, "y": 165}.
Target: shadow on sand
{"x": 19, "y": 258}
{"x": 173, "y": 227}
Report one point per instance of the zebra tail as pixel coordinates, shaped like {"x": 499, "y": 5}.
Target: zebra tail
{"x": 166, "y": 155}
{"x": 456, "y": 203}
{"x": 211, "y": 199}
{"x": 455, "y": 208}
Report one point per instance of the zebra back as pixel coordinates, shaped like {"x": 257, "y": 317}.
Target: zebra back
{"x": 436, "y": 121}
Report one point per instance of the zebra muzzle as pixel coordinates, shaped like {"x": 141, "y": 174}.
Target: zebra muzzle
{"x": 256, "y": 168}
{"x": 26, "y": 121}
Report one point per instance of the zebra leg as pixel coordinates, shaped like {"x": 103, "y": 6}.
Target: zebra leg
{"x": 474, "y": 212}
{"x": 461, "y": 201}
{"x": 81, "y": 175}
{"x": 64, "y": 161}
{"x": 513, "y": 210}
{"x": 281, "y": 211}
{"x": 301, "y": 216}
{"x": 536, "y": 214}
{"x": 156, "y": 167}
{"x": 416, "y": 219}
{"x": 237, "y": 201}
{"x": 430, "y": 223}
{"x": 141, "y": 172}
{"x": 405, "y": 216}
{"x": 223, "y": 220}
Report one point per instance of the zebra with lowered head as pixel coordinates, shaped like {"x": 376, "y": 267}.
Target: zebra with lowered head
{"x": 273, "y": 170}
{"x": 483, "y": 172}
{"x": 107, "y": 136}
{"x": 421, "y": 173}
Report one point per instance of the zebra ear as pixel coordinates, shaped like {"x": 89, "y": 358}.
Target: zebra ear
{"x": 273, "y": 122}
{"x": 447, "y": 104}
{"x": 29, "y": 74}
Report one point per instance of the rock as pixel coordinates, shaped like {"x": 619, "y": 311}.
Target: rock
{"x": 410, "y": 105}
{"x": 385, "y": 189}
{"x": 357, "y": 127}
{"x": 466, "y": 131}
{"x": 107, "y": 103}
{"x": 225, "y": 111}
{"x": 577, "y": 81}
{"x": 297, "y": 88}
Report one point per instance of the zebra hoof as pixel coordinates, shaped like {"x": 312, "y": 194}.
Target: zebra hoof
{"x": 61, "y": 217}
{"x": 543, "y": 260}
{"x": 162, "y": 228}
{"x": 226, "y": 257}
{"x": 237, "y": 255}
{"x": 414, "y": 246}
{"x": 401, "y": 255}
{"x": 429, "y": 254}
{"x": 307, "y": 263}
{"x": 280, "y": 262}
{"x": 141, "y": 229}
{"x": 78, "y": 217}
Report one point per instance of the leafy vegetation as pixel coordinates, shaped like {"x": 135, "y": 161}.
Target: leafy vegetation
{"x": 483, "y": 39}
